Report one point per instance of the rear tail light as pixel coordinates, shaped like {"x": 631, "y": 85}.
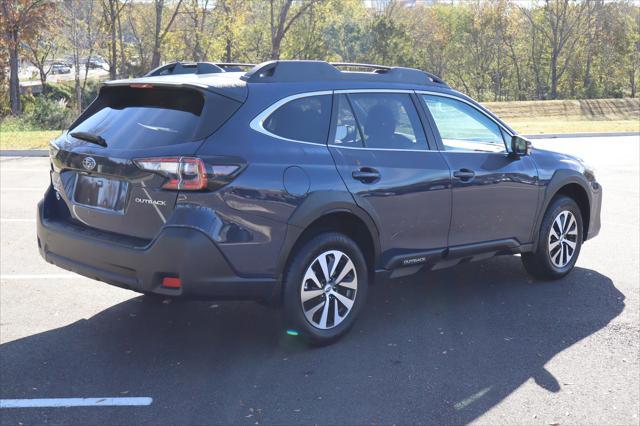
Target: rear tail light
{"x": 188, "y": 173}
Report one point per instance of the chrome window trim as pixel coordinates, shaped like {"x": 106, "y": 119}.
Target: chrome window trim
{"x": 457, "y": 98}
{"x": 257, "y": 123}
{"x": 382, "y": 149}
{"x": 373, "y": 91}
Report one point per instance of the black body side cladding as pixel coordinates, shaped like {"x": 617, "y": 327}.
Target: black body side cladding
{"x": 176, "y": 252}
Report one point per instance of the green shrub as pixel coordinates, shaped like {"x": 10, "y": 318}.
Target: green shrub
{"x": 5, "y": 108}
{"x": 59, "y": 92}
{"x": 46, "y": 113}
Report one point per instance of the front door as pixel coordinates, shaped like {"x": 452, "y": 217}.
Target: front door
{"x": 383, "y": 156}
{"x": 495, "y": 195}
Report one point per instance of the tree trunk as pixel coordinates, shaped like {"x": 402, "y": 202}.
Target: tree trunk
{"x": 113, "y": 46}
{"x": 43, "y": 79}
{"x": 228, "y": 50}
{"x": 14, "y": 81}
{"x": 78, "y": 89}
{"x": 554, "y": 75}
{"x": 275, "y": 49}
{"x": 155, "y": 57}
{"x": 123, "y": 59}
{"x": 587, "y": 75}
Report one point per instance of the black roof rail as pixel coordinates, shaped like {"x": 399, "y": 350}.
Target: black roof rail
{"x": 306, "y": 71}
{"x": 375, "y": 67}
{"x": 234, "y": 66}
{"x": 384, "y": 68}
{"x": 179, "y": 67}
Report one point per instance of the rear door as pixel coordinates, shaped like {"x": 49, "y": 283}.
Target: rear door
{"x": 495, "y": 195}
{"x": 383, "y": 156}
{"x": 103, "y": 186}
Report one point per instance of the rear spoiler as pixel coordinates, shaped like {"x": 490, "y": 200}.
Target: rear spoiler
{"x": 226, "y": 88}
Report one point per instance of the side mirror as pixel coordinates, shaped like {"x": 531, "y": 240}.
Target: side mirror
{"x": 520, "y": 146}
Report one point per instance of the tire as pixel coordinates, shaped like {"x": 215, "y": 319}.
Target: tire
{"x": 314, "y": 319}
{"x": 554, "y": 256}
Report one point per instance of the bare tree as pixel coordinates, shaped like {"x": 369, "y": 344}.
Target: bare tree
{"x": 197, "y": 12}
{"x": 111, "y": 10}
{"x": 560, "y": 27}
{"x": 139, "y": 41}
{"x": 281, "y": 22}
{"x": 82, "y": 36}
{"x": 123, "y": 59}
{"x": 39, "y": 51}
{"x": 160, "y": 33}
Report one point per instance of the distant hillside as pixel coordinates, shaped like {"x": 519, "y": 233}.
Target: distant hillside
{"x": 588, "y": 109}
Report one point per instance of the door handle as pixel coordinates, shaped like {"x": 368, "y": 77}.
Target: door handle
{"x": 366, "y": 174}
{"x": 464, "y": 175}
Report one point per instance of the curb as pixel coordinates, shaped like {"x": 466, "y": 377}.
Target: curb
{"x": 24, "y": 153}
{"x": 45, "y": 153}
{"x": 580, "y": 135}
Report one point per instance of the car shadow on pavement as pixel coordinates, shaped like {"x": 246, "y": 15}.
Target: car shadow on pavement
{"x": 441, "y": 347}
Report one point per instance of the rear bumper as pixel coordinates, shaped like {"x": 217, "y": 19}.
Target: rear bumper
{"x": 177, "y": 251}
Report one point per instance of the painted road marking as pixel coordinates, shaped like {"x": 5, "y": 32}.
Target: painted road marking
{"x": 39, "y": 276}
{"x": 16, "y": 220}
{"x": 43, "y": 188}
{"x": 74, "y": 402}
{"x": 26, "y": 170}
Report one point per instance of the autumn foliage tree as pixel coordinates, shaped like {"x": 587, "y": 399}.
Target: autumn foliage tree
{"x": 491, "y": 49}
{"x": 20, "y": 22}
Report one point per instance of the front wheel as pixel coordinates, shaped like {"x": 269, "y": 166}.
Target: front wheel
{"x": 325, "y": 287}
{"x": 559, "y": 241}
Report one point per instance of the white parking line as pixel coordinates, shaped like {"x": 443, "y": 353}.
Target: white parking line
{"x": 38, "y": 276}
{"x": 4, "y": 219}
{"x": 22, "y": 189}
{"x": 75, "y": 402}
{"x": 15, "y": 170}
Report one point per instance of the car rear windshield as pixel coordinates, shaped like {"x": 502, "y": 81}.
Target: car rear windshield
{"x": 134, "y": 118}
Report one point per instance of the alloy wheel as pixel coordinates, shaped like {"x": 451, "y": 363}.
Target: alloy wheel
{"x": 329, "y": 289}
{"x": 563, "y": 239}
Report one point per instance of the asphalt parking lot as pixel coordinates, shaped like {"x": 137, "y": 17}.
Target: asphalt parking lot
{"x": 481, "y": 343}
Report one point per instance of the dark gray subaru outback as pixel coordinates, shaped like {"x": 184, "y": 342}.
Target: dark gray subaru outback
{"x": 299, "y": 182}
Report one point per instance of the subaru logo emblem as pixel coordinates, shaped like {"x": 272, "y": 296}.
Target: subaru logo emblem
{"x": 88, "y": 163}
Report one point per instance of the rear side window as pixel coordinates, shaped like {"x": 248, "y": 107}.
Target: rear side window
{"x": 388, "y": 120}
{"x": 135, "y": 118}
{"x": 304, "y": 119}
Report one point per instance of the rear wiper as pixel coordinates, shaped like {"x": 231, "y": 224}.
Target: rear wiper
{"x": 90, "y": 137}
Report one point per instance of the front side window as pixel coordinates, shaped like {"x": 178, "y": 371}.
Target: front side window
{"x": 304, "y": 119}
{"x": 462, "y": 127}
{"x": 388, "y": 120}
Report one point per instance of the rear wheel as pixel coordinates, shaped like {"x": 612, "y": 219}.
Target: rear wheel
{"x": 559, "y": 241}
{"x": 325, "y": 287}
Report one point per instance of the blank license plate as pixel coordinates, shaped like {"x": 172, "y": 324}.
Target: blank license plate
{"x": 101, "y": 192}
